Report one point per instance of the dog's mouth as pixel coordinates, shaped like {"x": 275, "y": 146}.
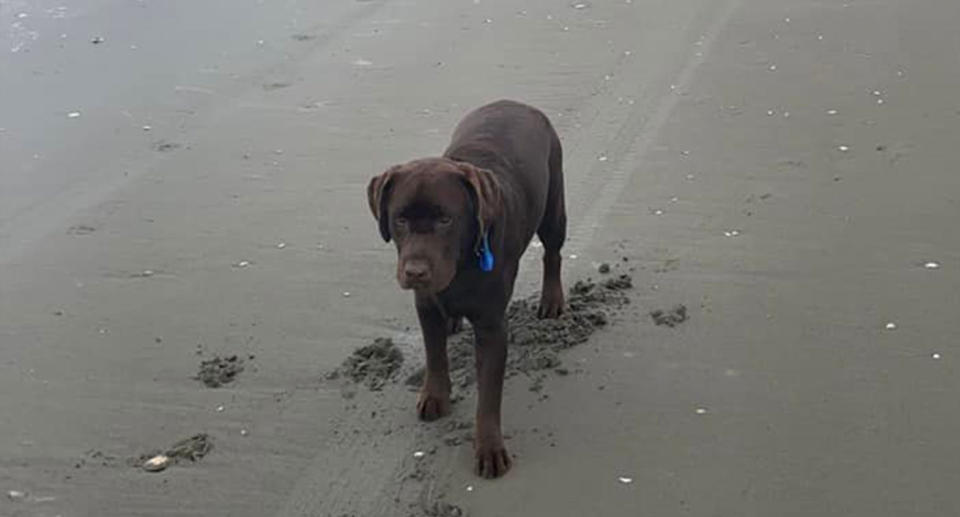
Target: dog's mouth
{"x": 424, "y": 277}
{"x": 416, "y": 285}
{"x": 423, "y": 286}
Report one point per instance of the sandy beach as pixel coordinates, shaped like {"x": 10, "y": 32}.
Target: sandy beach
{"x": 186, "y": 250}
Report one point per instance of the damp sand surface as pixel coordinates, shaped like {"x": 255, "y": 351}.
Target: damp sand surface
{"x": 783, "y": 168}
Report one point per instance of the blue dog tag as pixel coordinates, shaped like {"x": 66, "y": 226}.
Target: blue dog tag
{"x": 485, "y": 256}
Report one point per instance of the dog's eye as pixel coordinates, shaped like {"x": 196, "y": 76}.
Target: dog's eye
{"x": 445, "y": 220}
{"x": 401, "y": 221}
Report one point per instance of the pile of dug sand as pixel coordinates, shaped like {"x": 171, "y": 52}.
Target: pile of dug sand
{"x": 374, "y": 364}
{"x": 533, "y": 343}
{"x": 190, "y": 449}
{"x": 670, "y": 318}
{"x": 217, "y": 371}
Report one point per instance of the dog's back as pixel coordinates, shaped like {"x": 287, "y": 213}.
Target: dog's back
{"x": 519, "y": 145}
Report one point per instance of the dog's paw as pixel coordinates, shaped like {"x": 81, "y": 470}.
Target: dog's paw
{"x": 551, "y": 304}
{"x": 432, "y": 405}
{"x": 492, "y": 459}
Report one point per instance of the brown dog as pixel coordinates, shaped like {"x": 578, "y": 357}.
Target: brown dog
{"x": 460, "y": 223}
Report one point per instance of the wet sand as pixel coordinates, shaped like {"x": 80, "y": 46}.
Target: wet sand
{"x": 783, "y": 169}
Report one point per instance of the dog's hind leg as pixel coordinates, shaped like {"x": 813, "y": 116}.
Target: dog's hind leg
{"x": 552, "y": 233}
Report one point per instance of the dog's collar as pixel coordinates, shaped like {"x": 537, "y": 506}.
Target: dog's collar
{"x": 484, "y": 255}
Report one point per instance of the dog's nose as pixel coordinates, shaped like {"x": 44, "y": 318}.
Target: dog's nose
{"x": 415, "y": 272}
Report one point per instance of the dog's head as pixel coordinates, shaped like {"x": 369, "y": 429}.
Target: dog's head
{"x": 436, "y": 211}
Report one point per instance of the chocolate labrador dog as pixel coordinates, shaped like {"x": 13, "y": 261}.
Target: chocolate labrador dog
{"x": 460, "y": 223}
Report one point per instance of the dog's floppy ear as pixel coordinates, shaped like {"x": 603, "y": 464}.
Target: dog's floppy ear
{"x": 486, "y": 191}
{"x": 378, "y": 193}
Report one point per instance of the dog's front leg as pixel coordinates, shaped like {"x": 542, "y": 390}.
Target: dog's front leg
{"x": 492, "y": 459}
{"x": 434, "y": 400}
